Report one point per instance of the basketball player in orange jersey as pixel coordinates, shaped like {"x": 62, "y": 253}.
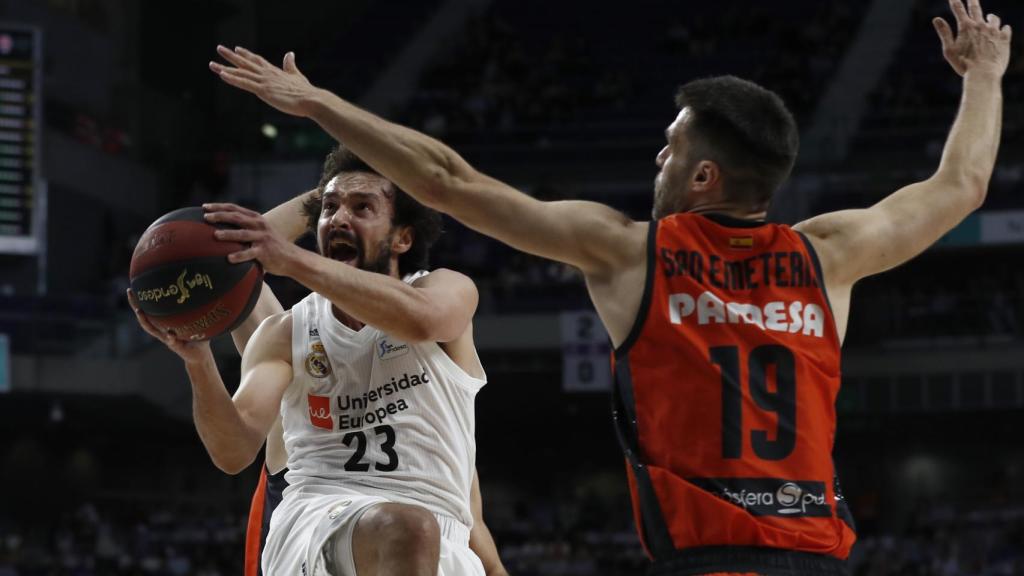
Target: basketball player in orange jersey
{"x": 359, "y": 533}
{"x": 726, "y": 328}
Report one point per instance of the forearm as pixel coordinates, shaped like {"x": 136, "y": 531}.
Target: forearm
{"x": 288, "y": 218}
{"x": 227, "y": 438}
{"x": 973, "y": 142}
{"x": 383, "y": 302}
{"x": 412, "y": 160}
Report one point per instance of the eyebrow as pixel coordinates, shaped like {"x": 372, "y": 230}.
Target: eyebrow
{"x": 362, "y": 196}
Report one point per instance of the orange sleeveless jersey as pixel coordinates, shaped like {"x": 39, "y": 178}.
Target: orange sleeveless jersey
{"x": 725, "y": 393}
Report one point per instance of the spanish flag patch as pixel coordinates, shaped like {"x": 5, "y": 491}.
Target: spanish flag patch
{"x": 741, "y": 242}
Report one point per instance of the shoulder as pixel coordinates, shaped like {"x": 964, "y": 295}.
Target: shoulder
{"x": 445, "y": 278}
{"x": 273, "y": 338}
{"x": 280, "y": 322}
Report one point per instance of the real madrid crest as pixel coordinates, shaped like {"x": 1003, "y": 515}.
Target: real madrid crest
{"x": 317, "y": 364}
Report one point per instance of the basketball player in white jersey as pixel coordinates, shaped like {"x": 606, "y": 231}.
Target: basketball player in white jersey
{"x": 377, "y": 417}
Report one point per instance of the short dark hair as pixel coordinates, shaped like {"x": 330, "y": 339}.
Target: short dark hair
{"x": 425, "y": 222}
{"x": 747, "y": 130}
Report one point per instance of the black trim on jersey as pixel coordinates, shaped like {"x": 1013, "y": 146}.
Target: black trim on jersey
{"x": 645, "y": 300}
{"x": 273, "y": 492}
{"x": 842, "y": 507}
{"x": 732, "y": 221}
{"x": 817, "y": 268}
{"x": 766, "y": 561}
{"x": 653, "y": 529}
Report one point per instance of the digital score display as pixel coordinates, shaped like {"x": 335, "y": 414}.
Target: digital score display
{"x": 20, "y": 177}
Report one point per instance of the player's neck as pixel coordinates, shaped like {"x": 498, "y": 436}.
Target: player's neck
{"x": 346, "y": 319}
{"x": 730, "y": 210}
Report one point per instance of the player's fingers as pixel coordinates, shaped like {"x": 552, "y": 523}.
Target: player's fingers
{"x": 945, "y": 33}
{"x": 236, "y": 218}
{"x": 959, "y": 12}
{"x": 251, "y": 56}
{"x": 236, "y": 235}
{"x": 236, "y": 59}
{"x": 147, "y": 326}
{"x": 974, "y": 10}
{"x": 219, "y": 69}
{"x": 211, "y": 207}
{"x": 242, "y": 256}
{"x": 132, "y": 301}
{"x": 238, "y": 82}
{"x": 289, "y": 63}
{"x": 1007, "y": 32}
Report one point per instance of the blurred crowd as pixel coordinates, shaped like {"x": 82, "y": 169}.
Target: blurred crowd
{"x": 946, "y": 542}
{"x": 127, "y": 539}
{"x": 509, "y": 73}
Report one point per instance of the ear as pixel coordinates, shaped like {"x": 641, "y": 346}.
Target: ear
{"x": 402, "y": 239}
{"x": 707, "y": 176}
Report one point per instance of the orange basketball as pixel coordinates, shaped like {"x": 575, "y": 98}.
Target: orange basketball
{"x": 183, "y": 281}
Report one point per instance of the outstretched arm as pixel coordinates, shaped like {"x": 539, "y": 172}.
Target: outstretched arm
{"x": 480, "y": 540}
{"x": 853, "y": 244}
{"x": 590, "y": 236}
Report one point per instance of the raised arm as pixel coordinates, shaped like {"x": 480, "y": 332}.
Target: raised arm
{"x": 590, "y": 236}
{"x": 853, "y": 244}
{"x": 480, "y": 540}
{"x": 288, "y": 218}
{"x": 436, "y": 308}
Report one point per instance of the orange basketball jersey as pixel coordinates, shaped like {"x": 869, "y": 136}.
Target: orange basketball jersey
{"x": 725, "y": 394}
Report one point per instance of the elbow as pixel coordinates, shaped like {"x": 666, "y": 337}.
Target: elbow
{"x": 975, "y": 186}
{"x": 971, "y": 185}
{"x": 442, "y": 181}
{"x": 435, "y": 189}
{"x": 232, "y": 464}
{"x": 420, "y": 329}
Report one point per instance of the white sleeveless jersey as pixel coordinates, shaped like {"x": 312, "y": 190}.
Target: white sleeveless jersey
{"x": 376, "y": 415}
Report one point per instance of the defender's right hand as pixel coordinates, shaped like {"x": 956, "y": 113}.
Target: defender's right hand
{"x": 284, "y": 88}
{"x": 981, "y": 44}
{"x": 189, "y": 351}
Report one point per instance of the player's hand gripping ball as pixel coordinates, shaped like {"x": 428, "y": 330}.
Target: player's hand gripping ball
{"x": 182, "y": 279}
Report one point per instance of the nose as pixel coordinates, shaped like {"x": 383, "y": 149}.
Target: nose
{"x": 660, "y": 160}
{"x": 342, "y": 218}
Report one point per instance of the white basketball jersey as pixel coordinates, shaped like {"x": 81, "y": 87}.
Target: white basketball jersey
{"x": 377, "y": 415}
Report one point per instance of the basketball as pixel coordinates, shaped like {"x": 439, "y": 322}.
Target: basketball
{"x": 183, "y": 281}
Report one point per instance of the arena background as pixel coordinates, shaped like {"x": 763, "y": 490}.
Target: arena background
{"x": 109, "y": 117}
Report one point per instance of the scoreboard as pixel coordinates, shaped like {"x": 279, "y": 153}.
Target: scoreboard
{"x": 21, "y": 184}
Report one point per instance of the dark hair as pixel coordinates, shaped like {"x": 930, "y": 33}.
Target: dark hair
{"x": 425, "y": 222}
{"x": 747, "y": 130}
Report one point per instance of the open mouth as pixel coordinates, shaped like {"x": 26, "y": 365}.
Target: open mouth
{"x": 342, "y": 250}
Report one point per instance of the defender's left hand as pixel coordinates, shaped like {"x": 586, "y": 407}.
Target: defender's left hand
{"x": 981, "y": 43}
{"x": 271, "y": 249}
{"x": 283, "y": 88}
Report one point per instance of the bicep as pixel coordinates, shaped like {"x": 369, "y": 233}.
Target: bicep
{"x": 859, "y": 243}
{"x": 587, "y": 235}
